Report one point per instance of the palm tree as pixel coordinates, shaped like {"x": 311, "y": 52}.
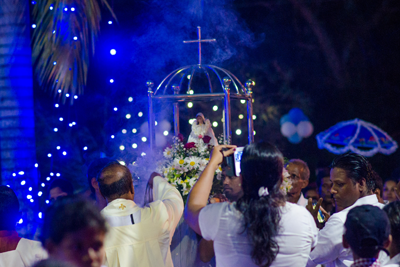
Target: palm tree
{"x": 63, "y": 37}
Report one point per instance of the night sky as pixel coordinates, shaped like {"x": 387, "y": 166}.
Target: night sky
{"x": 336, "y": 60}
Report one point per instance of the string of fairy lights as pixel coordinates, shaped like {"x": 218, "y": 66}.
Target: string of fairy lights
{"x": 36, "y": 193}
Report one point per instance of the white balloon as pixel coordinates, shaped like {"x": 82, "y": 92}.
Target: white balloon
{"x": 165, "y": 125}
{"x": 305, "y": 129}
{"x": 161, "y": 140}
{"x": 288, "y": 129}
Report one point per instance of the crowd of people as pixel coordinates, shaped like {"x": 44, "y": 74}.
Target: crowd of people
{"x": 348, "y": 218}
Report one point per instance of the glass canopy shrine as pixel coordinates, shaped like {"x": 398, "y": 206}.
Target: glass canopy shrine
{"x": 219, "y": 82}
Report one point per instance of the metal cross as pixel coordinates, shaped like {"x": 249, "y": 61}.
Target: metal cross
{"x": 199, "y": 41}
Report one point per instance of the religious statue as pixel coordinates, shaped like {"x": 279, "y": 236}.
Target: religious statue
{"x": 201, "y": 127}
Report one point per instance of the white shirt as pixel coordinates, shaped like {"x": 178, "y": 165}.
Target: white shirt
{"x": 27, "y": 253}
{"x": 223, "y": 223}
{"x": 394, "y": 262}
{"x": 302, "y": 201}
{"x": 142, "y": 236}
{"x": 329, "y": 250}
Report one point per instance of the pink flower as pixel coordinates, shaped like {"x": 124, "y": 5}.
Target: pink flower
{"x": 200, "y": 136}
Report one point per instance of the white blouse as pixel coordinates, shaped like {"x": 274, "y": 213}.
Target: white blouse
{"x": 223, "y": 223}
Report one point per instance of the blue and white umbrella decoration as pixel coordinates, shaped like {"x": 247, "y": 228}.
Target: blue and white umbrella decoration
{"x": 358, "y": 136}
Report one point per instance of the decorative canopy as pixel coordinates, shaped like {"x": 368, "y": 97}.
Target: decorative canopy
{"x": 358, "y": 136}
{"x": 216, "y": 79}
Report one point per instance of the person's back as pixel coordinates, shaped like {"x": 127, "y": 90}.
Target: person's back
{"x": 261, "y": 228}
{"x": 138, "y": 236}
{"x": 14, "y": 250}
{"x": 393, "y": 212}
{"x": 296, "y": 235}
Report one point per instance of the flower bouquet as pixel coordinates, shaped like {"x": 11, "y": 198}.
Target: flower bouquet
{"x": 184, "y": 163}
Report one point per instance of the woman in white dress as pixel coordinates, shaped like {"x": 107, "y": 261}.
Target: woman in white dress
{"x": 261, "y": 228}
{"x": 201, "y": 127}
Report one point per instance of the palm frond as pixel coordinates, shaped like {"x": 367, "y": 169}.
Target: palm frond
{"x": 63, "y": 42}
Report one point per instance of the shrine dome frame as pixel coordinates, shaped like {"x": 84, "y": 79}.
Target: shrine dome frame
{"x": 241, "y": 92}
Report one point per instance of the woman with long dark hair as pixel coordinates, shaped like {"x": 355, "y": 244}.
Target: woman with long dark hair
{"x": 261, "y": 228}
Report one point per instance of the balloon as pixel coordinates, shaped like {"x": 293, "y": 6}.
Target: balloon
{"x": 296, "y": 116}
{"x": 165, "y": 125}
{"x": 161, "y": 140}
{"x": 295, "y": 139}
{"x": 305, "y": 129}
{"x": 288, "y": 129}
{"x": 285, "y": 118}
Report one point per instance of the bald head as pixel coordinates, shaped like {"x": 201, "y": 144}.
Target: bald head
{"x": 115, "y": 181}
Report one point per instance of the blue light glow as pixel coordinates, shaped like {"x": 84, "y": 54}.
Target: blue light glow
{"x": 58, "y": 147}
{"x": 30, "y": 189}
{"x": 75, "y": 97}
{"x": 67, "y": 95}
{"x": 21, "y": 173}
{"x": 33, "y": 26}
{"x": 49, "y": 155}
{"x": 113, "y": 52}
{"x": 56, "y": 105}
{"x": 48, "y": 178}
{"x": 55, "y": 129}
{"x": 55, "y": 63}
{"x": 85, "y": 148}
{"x": 115, "y": 109}
{"x": 72, "y": 9}
{"x": 28, "y": 196}
{"x": 111, "y": 80}
{"x": 40, "y": 193}
{"x": 75, "y": 38}
{"x": 110, "y": 22}
{"x": 23, "y": 182}
{"x": 51, "y": 7}
{"x": 47, "y": 201}
{"x": 40, "y": 215}
{"x": 43, "y": 184}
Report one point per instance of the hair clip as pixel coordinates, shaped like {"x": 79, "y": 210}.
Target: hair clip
{"x": 263, "y": 191}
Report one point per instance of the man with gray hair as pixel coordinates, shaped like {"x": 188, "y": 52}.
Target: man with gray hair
{"x": 299, "y": 175}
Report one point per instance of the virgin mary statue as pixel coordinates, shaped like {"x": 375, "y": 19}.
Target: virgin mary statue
{"x": 201, "y": 127}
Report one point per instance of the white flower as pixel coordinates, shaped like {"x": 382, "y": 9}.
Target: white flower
{"x": 192, "y": 162}
{"x": 178, "y": 162}
{"x": 168, "y": 153}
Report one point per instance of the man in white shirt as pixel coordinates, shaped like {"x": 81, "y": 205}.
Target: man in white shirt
{"x": 138, "y": 236}
{"x": 393, "y": 211}
{"x": 14, "y": 250}
{"x": 353, "y": 180}
{"x": 299, "y": 175}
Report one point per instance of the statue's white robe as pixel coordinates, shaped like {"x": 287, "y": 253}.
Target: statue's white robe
{"x": 142, "y": 236}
